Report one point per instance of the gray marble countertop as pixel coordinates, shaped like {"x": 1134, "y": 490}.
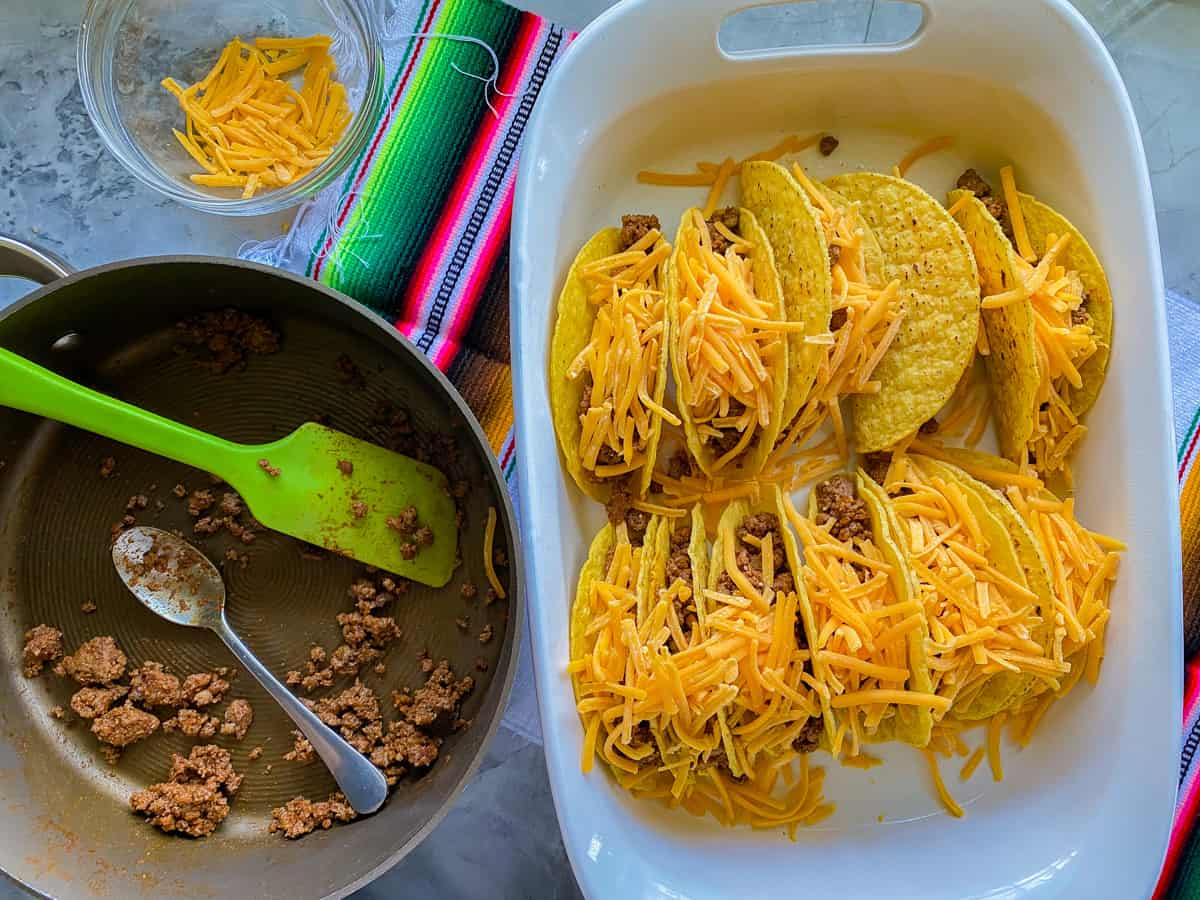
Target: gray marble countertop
{"x": 60, "y": 188}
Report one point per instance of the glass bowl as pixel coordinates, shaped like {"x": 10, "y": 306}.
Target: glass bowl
{"x": 126, "y": 48}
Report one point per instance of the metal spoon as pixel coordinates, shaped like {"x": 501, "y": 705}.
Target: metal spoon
{"x": 178, "y": 582}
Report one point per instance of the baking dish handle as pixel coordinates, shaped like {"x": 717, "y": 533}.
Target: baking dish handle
{"x": 700, "y": 27}
{"x": 19, "y": 259}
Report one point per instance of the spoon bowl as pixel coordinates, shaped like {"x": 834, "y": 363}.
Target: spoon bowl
{"x": 170, "y": 576}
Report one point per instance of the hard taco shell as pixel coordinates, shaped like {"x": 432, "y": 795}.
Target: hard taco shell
{"x": 572, "y": 332}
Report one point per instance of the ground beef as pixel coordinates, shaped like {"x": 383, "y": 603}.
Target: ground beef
{"x": 302, "y": 750}
{"x": 838, "y": 318}
{"x": 1080, "y": 316}
{"x": 730, "y": 436}
{"x": 206, "y": 763}
{"x": 43, "y": 644}
{"x": 634, "y": 227}
{"x": 643, "y": 736}
{"x": 238, "y": 717}
{"x": 436, "y": 704}
{"x": 345, "y": 466}
{"x": 680, "y": 464}
{"x": 152, "y": 685}
{"x": 799, "y": 632}
{"x": 273, "y": 471}
{"x": 835, "y": 254}
{"x": 636, "y": 523}
{"x": 301, "y": 816}
{"x": 348, "y": 372}
{"x": 193, "y": 723}
{"x": 194, "y": 798}
{"x": 404, "y": 747}
{"x": 485, "y": 636}
{"x": 827, "y": 144}
{"x": 972, "y": 181}
{"x": 929, "y": 426}
{"x": 749, "y": 558}
{"x": 124, "y": 725}
{"x": 354, "y": 713}
{"x": 619, "y": 505}
{"x": 204, "y": 688}
{"x": 839, "y": 506}
{"x": 374, "y": 631}
{"x": 222, "y": 340}
{"x": 231, "y": 504}
{"x": 98, "y": 661}
{"x": 199, "y": 501}
{"x": 876, "y": 465}
{"x": 107, "y": 466}
{"x": 192, "y": 809}
{"x": 90, "y": 702}
{"x": 809, "y": 737}
{"x": 88, "y": 607}
{"x": 731, "y": 219}
{"x": 679, "y": 561}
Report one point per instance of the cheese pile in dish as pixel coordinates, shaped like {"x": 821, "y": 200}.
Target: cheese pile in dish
{"x": 712, "y": 714}
{"x": 248, "y": 127}
{"x": 729, "y": 340}
{"x": 622, "y": 362}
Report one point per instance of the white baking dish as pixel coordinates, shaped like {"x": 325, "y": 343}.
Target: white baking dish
{"x": 1085, "y": 810}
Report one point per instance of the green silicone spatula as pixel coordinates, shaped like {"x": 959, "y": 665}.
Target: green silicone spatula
{"x": 316, "y": 484}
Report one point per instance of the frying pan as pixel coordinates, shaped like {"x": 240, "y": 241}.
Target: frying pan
{"x": 66, "y": 830}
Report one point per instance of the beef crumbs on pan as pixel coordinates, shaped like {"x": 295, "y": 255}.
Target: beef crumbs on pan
{"x": 194, "y": 799}
{"x": 124, "y": 701}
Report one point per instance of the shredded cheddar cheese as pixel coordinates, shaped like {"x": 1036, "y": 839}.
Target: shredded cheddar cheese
{"x": 489, "y": 554}
{"x": 728, "y": 340}
{"x": 247, "y": 126}
{"x": 707, "y": 173}
{"x": 933, "y": 145}
{"x": 620, "y": 364}
{"x": 862, "y": 649}
{"x": 870, "y": 319}
{"x": 701, "y": 714}
{"x": 981, "y": 621}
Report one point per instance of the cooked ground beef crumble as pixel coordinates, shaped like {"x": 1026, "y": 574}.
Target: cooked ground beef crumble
{"x": 194, "y": 799}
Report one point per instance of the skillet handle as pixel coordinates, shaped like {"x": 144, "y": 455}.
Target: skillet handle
{"x": 19, "y": 259}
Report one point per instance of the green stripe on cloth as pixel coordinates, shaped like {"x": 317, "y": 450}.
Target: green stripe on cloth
{"x": 415, "y": 167}
{"x": 1187, "y": 438}
{"x": 352, "y": 172}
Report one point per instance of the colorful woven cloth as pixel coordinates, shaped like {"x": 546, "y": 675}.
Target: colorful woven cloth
{"x": 1180, "y": 879}
{"x": 418, "y": 228}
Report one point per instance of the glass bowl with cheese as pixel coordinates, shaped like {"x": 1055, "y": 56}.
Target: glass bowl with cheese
{"x": 233, "y": 107}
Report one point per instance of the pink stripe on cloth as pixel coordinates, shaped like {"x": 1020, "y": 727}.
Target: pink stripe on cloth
{"x": 417, "y": 319}
{"x": 1189, "y": 788}
{"x": 446, "y": 345}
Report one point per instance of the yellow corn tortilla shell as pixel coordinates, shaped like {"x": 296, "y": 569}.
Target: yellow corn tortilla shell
{"x": 911, "y": 724}
{"x": 572, "y": 332}
{"x": 1041, "y": 220}
{"x": 1013, "y": 363}
{"x": 1033, "y": 561}
{"x": 794, "y": 230}
{"x": 1017, "y": 554}
{"x": 768, "y": 290}
{"x": 872, "y": 252}
{"x": 771, "y": 501}
{"x": 924, "y": 249}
